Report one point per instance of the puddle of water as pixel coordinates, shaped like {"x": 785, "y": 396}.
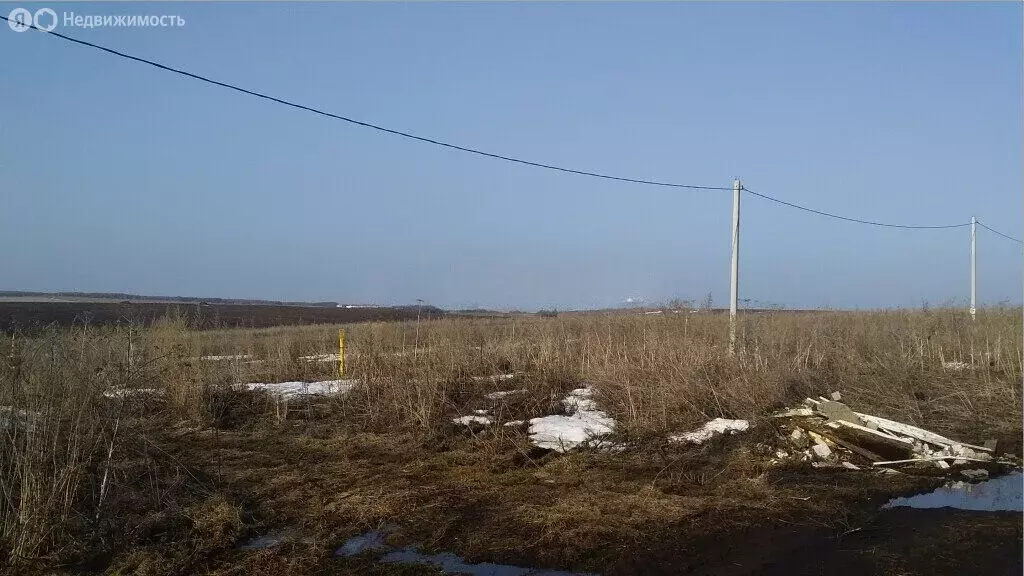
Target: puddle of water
{"x": 452, "y": 564}
{"x": 999, "y": 494}
{"x": 448, "y": 562}
{"x": 371, "y": 541}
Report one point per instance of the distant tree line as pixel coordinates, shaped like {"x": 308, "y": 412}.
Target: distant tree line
{"x": 177, "y": 299}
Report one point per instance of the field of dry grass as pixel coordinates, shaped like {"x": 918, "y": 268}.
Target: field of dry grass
{"x": 31, "y": 314}
{"x": 169, "y": 482}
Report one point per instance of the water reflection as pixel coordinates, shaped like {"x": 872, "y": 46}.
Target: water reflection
{"x": 998, "y": 494}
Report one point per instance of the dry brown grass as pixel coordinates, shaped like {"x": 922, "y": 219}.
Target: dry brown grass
{"x": 660, "y": 373}
{"x": 655, "y": 374}
{"x": 52, "y": 438}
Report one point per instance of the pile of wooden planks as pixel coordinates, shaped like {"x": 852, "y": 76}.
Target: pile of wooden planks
{"x": 827, "y": 431}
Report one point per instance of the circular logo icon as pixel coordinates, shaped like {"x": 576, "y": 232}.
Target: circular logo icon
{"x": 42, "y": 23}
{"x": 20, "y": 19}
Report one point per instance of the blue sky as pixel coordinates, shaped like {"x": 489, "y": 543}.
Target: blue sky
{"x": 121, "y": 177}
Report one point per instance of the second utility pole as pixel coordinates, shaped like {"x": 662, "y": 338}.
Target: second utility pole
{"x": 734, "y": 288}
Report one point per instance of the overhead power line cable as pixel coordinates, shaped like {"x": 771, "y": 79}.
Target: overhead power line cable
{"x": 375, "y": 126}
{"x": 482, "y": 152}
{"x": 848, "y": 219}
{"x": 994, "y": 231}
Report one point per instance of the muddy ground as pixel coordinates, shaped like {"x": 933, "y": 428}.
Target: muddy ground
{"x": 649, "y": 508}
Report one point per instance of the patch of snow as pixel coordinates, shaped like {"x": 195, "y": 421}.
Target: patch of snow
{"x": 470, "y": 420}
{"x": 122, "y": 392}
{"x": 561, "y": 433}
{"x": 955, "y": 365}
{"x": 511, "y": 423}
{"x": 503, "y": 393}
{"x": 294, "y": 389}
{"x": 229, "y": 357}
{"x": 711, "y": 429}
{"x": 580, "y": 399}
{"x": 494, "y": 378}
{"x": 481, "y": 412}
{"x": 330, "y": 357}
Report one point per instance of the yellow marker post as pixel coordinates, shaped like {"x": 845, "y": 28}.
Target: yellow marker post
{"x": 341, "y": 353}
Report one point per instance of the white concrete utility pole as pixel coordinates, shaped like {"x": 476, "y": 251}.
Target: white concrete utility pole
{"x": 974, "y": 268}
{"x": 734, "y": 289}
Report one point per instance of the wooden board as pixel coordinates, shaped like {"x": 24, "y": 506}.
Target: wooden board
{"x": 917, "y": 433}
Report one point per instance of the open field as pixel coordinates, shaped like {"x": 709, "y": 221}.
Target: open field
{"x": 32, "y": 315}
{"x": 126, "y": 452}
{"x": 115, "y": 297}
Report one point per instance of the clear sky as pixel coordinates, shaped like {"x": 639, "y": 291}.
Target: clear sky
{"x": 120, "y": 177}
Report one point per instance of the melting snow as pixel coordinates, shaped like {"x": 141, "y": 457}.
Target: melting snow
{"x": 494, "y": 378}
{"x": 563, "y": 433}
{"x": 231, "y": 357}
{"x": 321, "y": 357}
{"x": 503, "y": 393}
{"x": 711, "y": 429}
{"x": 468, "y": 420}
{"x": 122, "y": 392}
{"x": 580, "y": 400}
{"x": 293, "y": 389}
{"x": 956, "y": 365}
